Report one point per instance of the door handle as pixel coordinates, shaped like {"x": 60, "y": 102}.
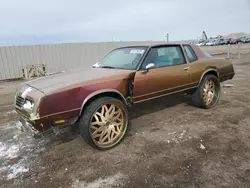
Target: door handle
{"x": 186, "y": 68}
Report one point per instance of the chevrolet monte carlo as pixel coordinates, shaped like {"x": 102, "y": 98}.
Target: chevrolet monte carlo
{"x": 97, "y": 99}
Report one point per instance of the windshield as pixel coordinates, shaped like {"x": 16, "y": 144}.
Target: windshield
{"x": 122, "y": 58}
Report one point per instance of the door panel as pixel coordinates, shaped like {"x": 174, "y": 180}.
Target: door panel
{"x": 159, "y": 81}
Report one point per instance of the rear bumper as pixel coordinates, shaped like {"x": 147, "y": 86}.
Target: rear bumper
{"x": 226, "y": 77}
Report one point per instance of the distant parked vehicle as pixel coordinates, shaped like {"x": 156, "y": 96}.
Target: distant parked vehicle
{"x": 236, "y": 40}
{"x": 204, "y": 43}
{"x": 221, "y": 41}
{"x": 200, "y": 43}
{"x": 241, "y": 39}
{"x": 211, "y": 43}
{"x": 217, "y": 42}
{"x": 224, "y": 41}
{"x": 227, "y": 40}
{"x": 233, "y": 40}
{"x": 246, "y": 40}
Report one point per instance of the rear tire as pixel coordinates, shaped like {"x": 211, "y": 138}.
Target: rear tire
{"x": 208, "y": 93}
{"x": 104, "y": 123}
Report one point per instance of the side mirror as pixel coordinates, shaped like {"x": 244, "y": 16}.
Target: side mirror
{"x": 97, "y": 64}
{"x": 150, "y": 66}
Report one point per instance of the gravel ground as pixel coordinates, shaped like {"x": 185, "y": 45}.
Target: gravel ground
{"x": 170, "y": 144}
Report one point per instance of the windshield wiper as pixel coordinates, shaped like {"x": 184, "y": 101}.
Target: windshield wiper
{"x": 109, "y": 67}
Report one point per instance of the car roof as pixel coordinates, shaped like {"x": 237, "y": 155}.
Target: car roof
{"x": 155, "y": 44}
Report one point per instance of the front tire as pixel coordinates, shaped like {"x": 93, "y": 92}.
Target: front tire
{"x": 208, "y": 93}
{"x": 104, "y": 123}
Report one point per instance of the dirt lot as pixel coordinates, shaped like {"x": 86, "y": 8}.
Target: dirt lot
{"x": 170, "y": 144}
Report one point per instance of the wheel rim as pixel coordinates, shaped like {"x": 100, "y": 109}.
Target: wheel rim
{"x": 209, "y": 92}
{"x": 108, "y": 125}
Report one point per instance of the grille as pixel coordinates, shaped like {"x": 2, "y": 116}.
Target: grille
{"x": 19, "y": 101}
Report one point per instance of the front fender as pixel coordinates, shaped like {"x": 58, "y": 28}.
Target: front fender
{"x": 103, "y": 92}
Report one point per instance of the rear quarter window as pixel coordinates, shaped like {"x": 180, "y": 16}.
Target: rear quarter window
{"x": 190, "y": 53}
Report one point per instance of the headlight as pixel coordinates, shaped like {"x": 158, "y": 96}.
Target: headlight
{"x": 28, "y": 105}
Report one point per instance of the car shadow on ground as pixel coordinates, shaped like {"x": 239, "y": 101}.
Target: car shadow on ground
{"x": 140, "y": 109}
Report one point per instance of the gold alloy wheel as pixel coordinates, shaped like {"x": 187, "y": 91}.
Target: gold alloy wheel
{"x": 209, "y": 91}
{"x": 107, "y": 125}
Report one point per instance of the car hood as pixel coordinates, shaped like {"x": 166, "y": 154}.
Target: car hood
{"x": 54, "y": 82}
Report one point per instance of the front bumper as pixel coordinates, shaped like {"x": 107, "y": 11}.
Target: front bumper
{"x": 37, "y": 124}
{"x": 46, "y": 124}
{"x": 29, "y": 129}
{"x": 32, "y": 122}
{"x": 26, "y": 127}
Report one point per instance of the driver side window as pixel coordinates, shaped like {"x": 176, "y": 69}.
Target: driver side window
{"x": 164, "y": 56}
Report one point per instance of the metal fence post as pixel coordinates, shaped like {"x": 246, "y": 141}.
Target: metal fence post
{"x": 238, "y": 50}
{"x": 228, "y": 51}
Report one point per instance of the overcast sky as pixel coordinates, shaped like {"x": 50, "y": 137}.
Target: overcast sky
{"x": 56, "y": 21}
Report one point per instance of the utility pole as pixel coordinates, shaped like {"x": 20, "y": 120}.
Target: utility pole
{"x": 167, "y": 37}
